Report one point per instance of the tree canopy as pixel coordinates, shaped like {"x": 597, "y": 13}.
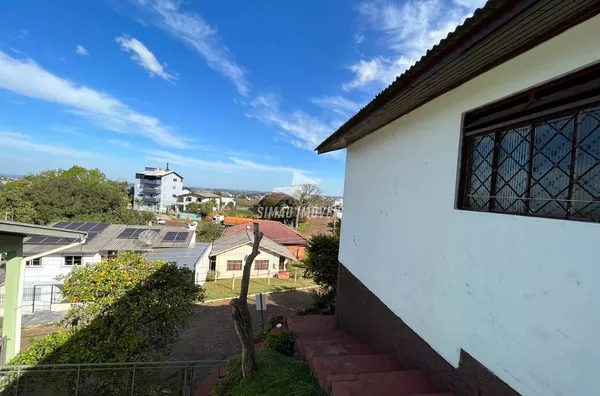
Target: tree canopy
{"x": 77, "y": 194}
{"x": 209, "y": 232}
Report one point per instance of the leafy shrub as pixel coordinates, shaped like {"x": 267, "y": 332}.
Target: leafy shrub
{"x": 212, "y": 275}
{"x": 282, "y": 342}
{"x": 321, "y": 260}
{"x": 128, "y": 309}
{"x": 261, "y": 336}
{"x": 274, "y": 320}
{"x": 323, "y": 299}
{"x": 209, "y": 232}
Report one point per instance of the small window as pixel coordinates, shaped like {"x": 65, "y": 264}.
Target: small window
{"x": 234, "y": 265}
{"x": 175, "y": 179}
{"x": 174, "y": 187}
{"x": 72, "y": 260}
{"x": 112, "y": 253}
{"x": 34, "y": 263}
{"x": 261, "y": 265}
{"x": 174, "y": 195}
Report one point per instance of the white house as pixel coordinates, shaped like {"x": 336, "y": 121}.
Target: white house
{"x": 103, "y": 241}
{"x": 157, "y": 189}
{"x": 201, "y": 197}
{"x": 478, "y": 262}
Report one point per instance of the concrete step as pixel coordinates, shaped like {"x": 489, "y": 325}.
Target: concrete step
{"x": 327, "y": 366}
{"x": 395, "y": 383}
{"x": 311, "y": 324}
{"x": 351, "y": 348}
{"x": 333, "y": 338}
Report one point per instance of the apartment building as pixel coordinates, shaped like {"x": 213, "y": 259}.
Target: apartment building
{"x": 157, "y": 189}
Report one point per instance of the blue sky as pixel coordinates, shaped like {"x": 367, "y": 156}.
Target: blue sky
{"x": 232, "y": 94}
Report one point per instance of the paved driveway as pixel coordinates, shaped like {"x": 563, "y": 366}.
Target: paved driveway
{"x": 211, "y": 334}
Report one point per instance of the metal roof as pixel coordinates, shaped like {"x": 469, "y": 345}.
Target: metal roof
{"x": 245, "y": 237}
{"x": 107, "y": 240}
{"x": 29, "y": 230}
{"x": 496, "y": 33}
{"x": 182, "y": 257}
{"x": 274, "y": 230}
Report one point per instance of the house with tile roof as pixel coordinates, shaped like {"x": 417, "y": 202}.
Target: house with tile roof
{"x": 479, "y": 263}
{"x": 228, "y": 254}
{"x": 276, "y": 231}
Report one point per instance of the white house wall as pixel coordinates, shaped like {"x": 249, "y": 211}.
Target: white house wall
{"x": 241, "y": 253}
{"x": 52, "y": 266}
{"x": 519, "y": 294}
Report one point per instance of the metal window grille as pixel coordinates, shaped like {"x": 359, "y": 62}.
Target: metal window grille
{"x": 549, "y": 167}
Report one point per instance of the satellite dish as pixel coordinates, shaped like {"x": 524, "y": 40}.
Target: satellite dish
{"x": 148, "y": 237}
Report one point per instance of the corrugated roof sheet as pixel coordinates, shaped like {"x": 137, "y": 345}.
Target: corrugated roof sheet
{"x": 496, "y": 33}
{"x": 107, "y": 240}
{"x": 183, "y": 257}
{"x": 233, "y": 241}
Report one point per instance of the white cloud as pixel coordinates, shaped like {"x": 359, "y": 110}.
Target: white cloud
{"x": 193, "y": 30}
{"x": 338, "y": 104}
{"x": 234, "y": 165}
{"x": 123, "y": 143}
{"x": 409, "y": 29}
{"x": 24, "y": 143}
{"x": 144, "y": 57}
{"x": 27, "y": 78}
{"x": 81, "y": 50}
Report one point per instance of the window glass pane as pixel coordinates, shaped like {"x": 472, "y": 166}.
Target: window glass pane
{"x": 479, "y": 172}
{"x": 553, "y": 144}
{"x": 512, "y": 179}
{"x": 586, "y": 190}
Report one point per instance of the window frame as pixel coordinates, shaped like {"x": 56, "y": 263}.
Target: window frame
{"x": 230, "y": 262}
{"x": 565, "y": 96}
{"x": 73, "y": 261}
{"x": 262, "y": 262}
{"x": 32, "y": 263}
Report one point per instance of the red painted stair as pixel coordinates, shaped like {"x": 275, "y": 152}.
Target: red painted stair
{"x": 346, "y": 367}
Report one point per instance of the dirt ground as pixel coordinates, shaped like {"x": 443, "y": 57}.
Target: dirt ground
{"x": 211, "y": 335}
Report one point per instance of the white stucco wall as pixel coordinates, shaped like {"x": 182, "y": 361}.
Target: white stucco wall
{"x": 51, "y": 267}
{"x": 519, "y": 294}
{"x": 241, "y": 253}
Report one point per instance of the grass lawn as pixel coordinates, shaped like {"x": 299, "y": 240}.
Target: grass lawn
{"x": 222, "y": 287}
{"x": 240, "y": 213}
{"x": 274, "y": 375}
{"x": 302, "y": 227}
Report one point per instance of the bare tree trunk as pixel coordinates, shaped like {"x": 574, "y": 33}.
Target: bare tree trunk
{"x": 241, "y": 313}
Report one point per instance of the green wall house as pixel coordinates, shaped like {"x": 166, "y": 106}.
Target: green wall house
{"x": 11, "y": 244}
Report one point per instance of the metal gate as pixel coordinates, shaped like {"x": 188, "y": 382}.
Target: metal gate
{"x": 44, "y": 296}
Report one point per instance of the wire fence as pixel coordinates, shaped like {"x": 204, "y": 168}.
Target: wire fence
{"x": 104, "y": 379}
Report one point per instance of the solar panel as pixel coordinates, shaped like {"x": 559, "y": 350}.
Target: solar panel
{"x": 61, "y": 224}
{"x": 35, "y": 239}
{"x": 134, "y": 233}
{"x": 126, "y": 234}
{"x": 170, "y": 236}
{"x": 86, "y": 226}
{"x": 73, "y": 225}
{"x": 181, "y": 237}
{"x": 99, "y": 227}
{"x": 90, "y": 236}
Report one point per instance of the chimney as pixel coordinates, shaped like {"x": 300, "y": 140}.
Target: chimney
{"x": 167, "y": 167}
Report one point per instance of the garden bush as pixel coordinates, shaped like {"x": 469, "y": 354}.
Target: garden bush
{"x": 282, "y": 342}
{"x": 321, "y": 260}
{"x": 212, "y": 275}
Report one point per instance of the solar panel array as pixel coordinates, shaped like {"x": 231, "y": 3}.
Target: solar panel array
{"x": 173, "y": 236}
{"x": 92, "y": 229}
{"x": 134, "y": 233}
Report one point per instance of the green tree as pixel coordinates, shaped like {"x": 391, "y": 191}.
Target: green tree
{"x": 209, "y": 232}
{"x": 206, "y": 208}
{"x": 126, "y": 309}
{"x": 279, "y": 207}
{"x": 321, "y": 260}
{"x": 76, "y": 194}
{"x": 193, "y": 207}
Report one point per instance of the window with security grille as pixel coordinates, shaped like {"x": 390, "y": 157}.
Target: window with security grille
{"x": 536, "y": 154}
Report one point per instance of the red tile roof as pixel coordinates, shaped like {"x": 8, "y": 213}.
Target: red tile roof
{"x": 274, "y": 230}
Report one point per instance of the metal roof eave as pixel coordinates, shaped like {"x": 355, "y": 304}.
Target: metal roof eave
{"x": 29, "y": 230}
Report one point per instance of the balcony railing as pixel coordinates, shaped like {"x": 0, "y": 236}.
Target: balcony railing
{"x": 151, "y": 190}
{"x": 126, "y": 379}
{"x": 150, "y": 183}
{"x": 151, "y": 200}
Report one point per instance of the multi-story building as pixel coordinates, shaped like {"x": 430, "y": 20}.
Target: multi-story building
{"x": 157, "y": 189}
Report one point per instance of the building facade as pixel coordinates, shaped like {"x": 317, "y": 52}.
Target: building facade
{"x": 156, "y": 189}
{"x": 478, "y": 262}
